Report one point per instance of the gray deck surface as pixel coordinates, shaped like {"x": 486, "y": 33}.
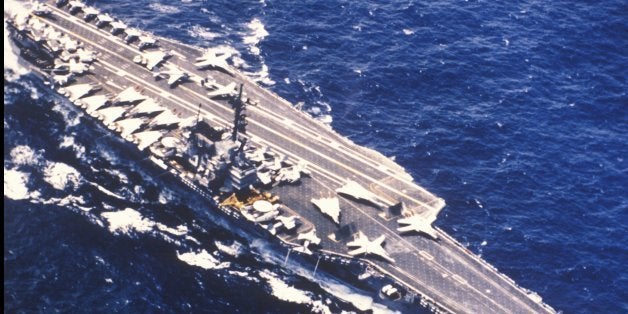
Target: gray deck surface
{"x": 442, "y": 270}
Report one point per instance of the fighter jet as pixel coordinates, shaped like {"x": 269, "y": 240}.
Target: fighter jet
{"x": 212, "y": 60}
{"x": 310, "y": 237}
{"x": 358, "y": 192}
{"x": 117, "y": 27}
{"x": 41, "y": 9}
{"x": 365, "y": 246}
{"x": 151, "y": 59}
{"x": 52, "y": 34}
{"x": 131, "y": 34}
{"x": 85, "y": 56}
{"x": 62, "y": 80}
{"x": 175, "y": 76}
{"x": 329, "y": 206}
{"x": 73, "y": 67}
{"x": 75, "y": 92}
{"x": 289, "y": 222}
{"x": 69, "y": 44}
{"x": 226, "y": 91}
{"x": 417, "y": 223}
{"x": 146, "y": 41}
{"x": 90, "y": 13}
{"x": 103, "y": 19}
{"x": 76, "y": 6}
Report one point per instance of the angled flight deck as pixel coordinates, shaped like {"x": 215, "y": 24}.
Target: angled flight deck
{"x": 333, "y": 196}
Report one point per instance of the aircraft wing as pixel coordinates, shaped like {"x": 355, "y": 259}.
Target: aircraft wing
{"x": 174, "y": 77}
{"x": 379, "y": 240}
{"x": 89, "y": 11}
{"x": 379, "y": 251}
{"x": 360, "y": 240}
{"x": 418, "y": 224}
{"x": 210, "y": 59}
{"x": 62, "y": 79}
{"x": 310, "y": 236}
{"x": 154, "y": 58}
{"x": 226, "y": 90}
{"x": 375, "y": 247}
{"x": 358, "y": 251}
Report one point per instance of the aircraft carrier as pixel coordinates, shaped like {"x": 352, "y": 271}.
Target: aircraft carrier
{"x": 261, "y": 161}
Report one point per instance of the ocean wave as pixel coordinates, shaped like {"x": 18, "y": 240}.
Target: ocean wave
{"x": 180, "y": 230}
{"x": 164, "y": 8}
{"x": 235, "y": 249}
{"x": 127, "y": 221}
{"x": 283, "y": 291}
{"x": 328, "y": 284}
{"x": 106, "y": 191}
{"x": 407, "y": 31}
{"x": 257, "y": 32}
{"x": 70, "y": 142}
{"x": 71, "y": 116}
{"x": 202, "y": 259}
{"x": 13, "y": 69}
{"x": 23, "y": 155}
{"x": 262, "y": 76}
{"x": 15, "y": 185}
{"x": 201, "y": 32}
{"x": 60, "y": 175}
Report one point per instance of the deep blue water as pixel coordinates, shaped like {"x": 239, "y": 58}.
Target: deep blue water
{"x": 515, "y": 113}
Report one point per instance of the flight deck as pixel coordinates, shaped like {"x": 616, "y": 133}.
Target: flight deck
{"x": 350, "y": 201}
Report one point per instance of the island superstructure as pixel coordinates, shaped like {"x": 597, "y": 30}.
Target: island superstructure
{"x": 260, "y": 161}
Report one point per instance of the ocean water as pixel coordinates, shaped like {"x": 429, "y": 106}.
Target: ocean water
{"x": 515, "y": 113}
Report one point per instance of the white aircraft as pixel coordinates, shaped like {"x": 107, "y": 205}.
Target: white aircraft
{"x": 117, "y": 26}
{"x": 69, "y": 44}
{"x": 62, "y": 80}
{"x": 85, "y": 56}
{"x": 289, "y": 222}
{"x": 103, "y": 19}
{"x": 73, "y": 67}
{"x": 357, "y": 191}
{"x": 151, "y": 59}
{"x": 174, "y": 76}
{"x": 74, "y": 92}
{"x": 365, "y": 246}
{"x": 209, "y": 82}
{"x": 76, "y": 6}
{"x": 131, "y": 34}
{"x": 310, "y": 237}
{"x": 211, "y": 60}
{"x": 417, "y": 223}
{"x": 223, "y": 91}
{"x": 78, "y": 67}
{"x": 289, "y": 175}
{"x": 146, "y": 41}
{"x": 329, "y": 206}
{"x": 52, "y": 34}
{"x": 41, "y": 9}
{"x": 90, "y": 13}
